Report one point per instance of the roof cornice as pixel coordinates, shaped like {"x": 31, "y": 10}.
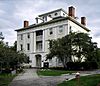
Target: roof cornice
{"x": 52, "y": 21}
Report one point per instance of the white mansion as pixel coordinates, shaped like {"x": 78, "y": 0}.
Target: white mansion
{"x": 33, "y": 39}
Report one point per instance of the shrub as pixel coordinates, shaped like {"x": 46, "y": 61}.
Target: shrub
{"x": 81, "y": 65}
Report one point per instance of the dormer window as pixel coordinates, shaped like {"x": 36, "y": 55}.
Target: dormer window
{"x": 56, "y": 14}
{"x": 49, "y": 15}
{"x": 63, "y": 14}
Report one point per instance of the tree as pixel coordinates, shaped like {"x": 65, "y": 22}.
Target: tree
{"x": 10, "y": 58}
{"x": 98, "y": 57}
{"x": 76, "y": 45}
{"x": 81, "y": 46}
{"x": 14, "y": 47}
{"x": 61, "y": 48}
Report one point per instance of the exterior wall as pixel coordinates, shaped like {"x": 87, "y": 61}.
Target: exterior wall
{"x": 63, "y": 14}
{"x": 75, "y": 27}
{"x": 46, "y": 36}
{"x": 53, "y": 15}
{"x": 33, "y": 59}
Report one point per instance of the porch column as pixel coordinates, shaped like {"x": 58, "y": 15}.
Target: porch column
{"x": 34, "y": 36}
{"x": 43, "y": 41}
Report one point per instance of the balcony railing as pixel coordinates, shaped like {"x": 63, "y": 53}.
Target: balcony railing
{"x": 38, "y": 50}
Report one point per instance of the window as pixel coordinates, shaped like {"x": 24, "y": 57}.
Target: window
{"x": 39, "y": 46}
{"x": 43, "y": 17}
{"x": 50, "y": 31}
{"x": 70, "y": 29}
{"x": 28, "y": 46}
{"x": 21, "y": 47}
{"x": 21, "y": 36}
{"x": 56, "y": 14}
{"x": 60, "y": 29}
{"x": 28, "y": 35}
{"x": 49, "y": 15}
{"x": 63, "y": 14}
{"x": 40, "y": 32}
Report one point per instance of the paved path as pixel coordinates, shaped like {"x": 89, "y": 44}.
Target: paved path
{"x": 29, "y": 74}
{"x": 30, "y": 78}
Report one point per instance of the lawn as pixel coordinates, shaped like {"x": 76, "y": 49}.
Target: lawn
{"x": 91, "y": 80}
{"x": 5, "y": 79}
{"x": 52, "y": 72}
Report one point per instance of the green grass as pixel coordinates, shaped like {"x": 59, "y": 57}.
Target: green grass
{"x": 5, "y": 79}
{"x": 52, "y": 72}
{"x": 91, "y": 80}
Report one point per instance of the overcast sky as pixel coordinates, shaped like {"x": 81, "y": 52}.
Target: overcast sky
{"x": 14, "y": 12}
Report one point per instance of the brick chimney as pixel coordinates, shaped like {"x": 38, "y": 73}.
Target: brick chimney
{"x": 26, "y": 23}
{"x": 83, "y": 21}
{"x": 71, "y": 11}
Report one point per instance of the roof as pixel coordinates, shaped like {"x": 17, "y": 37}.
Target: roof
{"x": 53, "y": 12}
{"x": 52, "y": 21}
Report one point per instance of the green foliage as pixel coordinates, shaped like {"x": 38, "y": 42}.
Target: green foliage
{"x": 10, "y": 58}
{"x": 82, "y": 65}
{"x": 14, "y": 47}
{"x": 53, "y": 72}
{"x": 78, "y": 45}
{"x": 91, "y": 80}
{"x": 98, "y": 57}
{"x": 5, "y": 79}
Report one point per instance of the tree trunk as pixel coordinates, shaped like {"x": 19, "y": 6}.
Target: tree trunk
{"x": 64, "y": 63}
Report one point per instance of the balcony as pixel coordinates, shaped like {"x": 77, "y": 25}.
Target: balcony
{"x": 39, "y": 38}
{"x": 38, "y": 50}
{"x": 38, "y": 46}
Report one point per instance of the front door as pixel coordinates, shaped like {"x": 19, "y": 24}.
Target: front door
{"x": 38, "y": 60}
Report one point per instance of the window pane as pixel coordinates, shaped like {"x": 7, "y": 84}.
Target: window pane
{"x": 40, "y": 32}
{"x": 21, "y": 46}
{"x": 21, "y": 36}
{"x": 28, "y": 46}
{"x": 39, "y": 46}
{"x": 60, "y": 29}
{"x": 70, "y": 29}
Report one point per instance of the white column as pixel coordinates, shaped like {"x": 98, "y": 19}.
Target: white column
{"x": 43, "y": 41}
{"x": 34, "y": 36}
{"x": 32, "y": 42}
{"x": 24, "y": 42}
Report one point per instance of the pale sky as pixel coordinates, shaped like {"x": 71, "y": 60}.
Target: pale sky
{"x": 14, "y": 12}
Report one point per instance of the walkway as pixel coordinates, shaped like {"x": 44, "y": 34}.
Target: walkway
{"x": 30, "y": 78}
{"x": 29, "y": 74}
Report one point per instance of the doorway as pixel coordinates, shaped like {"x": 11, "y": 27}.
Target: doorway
{"x": 38, "y": 60}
